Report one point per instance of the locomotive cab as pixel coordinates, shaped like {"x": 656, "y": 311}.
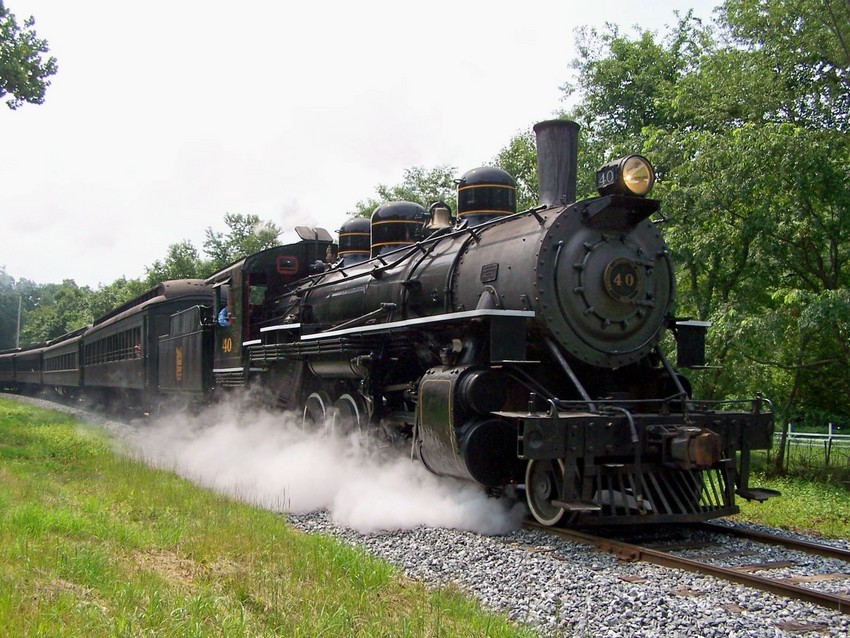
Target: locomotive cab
{"x": 248, "y": 293}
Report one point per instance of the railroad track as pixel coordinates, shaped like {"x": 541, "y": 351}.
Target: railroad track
{"x": 663, "y": 552}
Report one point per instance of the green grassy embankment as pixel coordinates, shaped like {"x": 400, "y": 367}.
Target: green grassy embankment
{"x": 95, "y": 544}
{"x": 808, "y": 506}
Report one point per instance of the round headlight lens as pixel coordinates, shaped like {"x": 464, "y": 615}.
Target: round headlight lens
{"x": 638, "y": 176}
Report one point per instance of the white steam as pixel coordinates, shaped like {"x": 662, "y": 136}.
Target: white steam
{"x": 268, "y": 459}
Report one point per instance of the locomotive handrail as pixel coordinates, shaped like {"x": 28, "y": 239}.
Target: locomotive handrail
{"x": 521, "y": 376}
{"x": 599, "y": 405}
{"x": 683, "y": 395}
{"x": 667, "y": 399}
{"x": 385, "y": 309}
{"x": 637, "y": 456}
{"x": 562, "y": 361}
{"x": 419, "y": 321}
{"x": 412, "y": 248}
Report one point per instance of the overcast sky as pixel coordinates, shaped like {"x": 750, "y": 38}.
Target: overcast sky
{"x": 164, "y": 116}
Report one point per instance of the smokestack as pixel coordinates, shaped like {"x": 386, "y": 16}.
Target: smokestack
{"x": 557, "y": 157}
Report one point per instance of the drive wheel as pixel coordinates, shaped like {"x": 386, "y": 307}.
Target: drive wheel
{"x": 351, "y": 413}
{"x": 316, "y": 409}
{"x": 544, "y": 480}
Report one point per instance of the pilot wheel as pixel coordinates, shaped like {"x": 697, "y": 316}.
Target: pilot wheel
{"x": 544, "y": 483}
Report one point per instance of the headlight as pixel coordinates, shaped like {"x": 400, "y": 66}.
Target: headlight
{"x": 629, "y": 175}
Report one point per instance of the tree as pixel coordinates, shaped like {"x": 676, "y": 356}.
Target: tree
{"x": 419, "y": 185}
{"x": 806, "y": 46}
{"x": 628, "y": 86}
{"x": 24, "y": 69}
{"x": 10, "y": 301}
{"x": 181, "y": 262}
{"x": 519, "y": 159}
{"x": 52, "y": 310}
{"x": 248, "y": 235}
{"x": 110, "y": 296}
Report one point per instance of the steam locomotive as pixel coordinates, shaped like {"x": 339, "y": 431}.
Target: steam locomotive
{"x": 517, "y": 350}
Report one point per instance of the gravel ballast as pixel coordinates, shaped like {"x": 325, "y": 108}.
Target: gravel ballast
{"x": 564, "y": 589}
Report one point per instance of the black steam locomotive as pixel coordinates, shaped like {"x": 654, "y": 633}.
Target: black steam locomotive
{"x": 518, "y": 350}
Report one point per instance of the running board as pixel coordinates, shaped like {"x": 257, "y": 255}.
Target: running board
{"x": 577, "y": 506}
{"x": 759, "y": 494}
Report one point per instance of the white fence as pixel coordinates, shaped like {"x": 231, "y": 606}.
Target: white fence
{"x": 834, "y": 446}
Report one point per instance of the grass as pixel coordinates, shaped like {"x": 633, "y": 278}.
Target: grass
{"x": 95, "y": 544}
{"x": 815, "y": 497}
{"x": 808, "y": 506}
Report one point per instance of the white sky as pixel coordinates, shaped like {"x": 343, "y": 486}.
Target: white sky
{"x": 166, "y": 115}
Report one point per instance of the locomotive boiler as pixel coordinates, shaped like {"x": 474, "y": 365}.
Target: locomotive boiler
{"x": 519, "y": 350}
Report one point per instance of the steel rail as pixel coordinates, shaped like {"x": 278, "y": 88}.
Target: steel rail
{"x": 627, "y": 551}
{"x": 809, "y": 547}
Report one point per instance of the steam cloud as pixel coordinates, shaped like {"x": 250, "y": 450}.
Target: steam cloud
{"x": 268, "y": 459}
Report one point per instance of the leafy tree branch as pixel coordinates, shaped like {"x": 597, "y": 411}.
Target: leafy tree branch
{"x": 24, "y": 64}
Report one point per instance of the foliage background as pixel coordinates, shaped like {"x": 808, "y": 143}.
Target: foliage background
{"x": 49, "y": 311}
